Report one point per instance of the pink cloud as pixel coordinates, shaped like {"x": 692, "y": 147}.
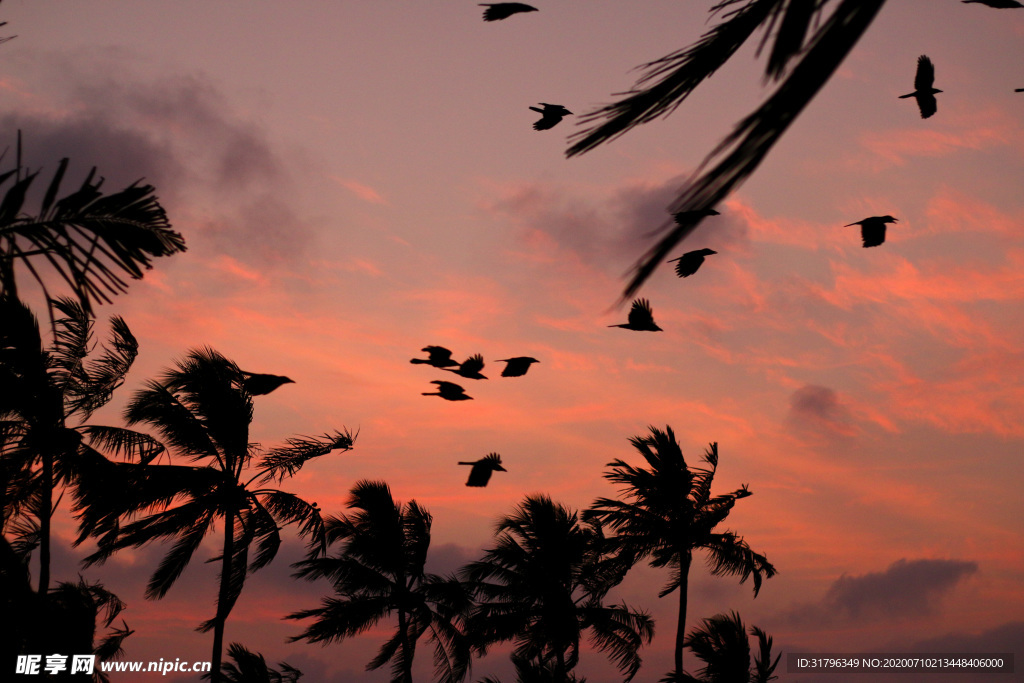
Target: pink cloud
{"x": 361, "y": 190}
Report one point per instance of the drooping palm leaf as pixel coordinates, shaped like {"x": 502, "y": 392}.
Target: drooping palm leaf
{"x": 87, "y": 238}
{"x": 669, "y": 80}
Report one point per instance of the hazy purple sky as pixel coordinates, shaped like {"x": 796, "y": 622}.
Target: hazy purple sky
{"x": 356, "y": 180}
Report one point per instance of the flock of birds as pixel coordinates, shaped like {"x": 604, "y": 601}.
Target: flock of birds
{"x": 441, "y": 358}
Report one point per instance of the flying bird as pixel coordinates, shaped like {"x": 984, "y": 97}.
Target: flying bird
{"x": 551, "y": 114}
{"x": 690, "y": 261}
{"x": 470, "y": 368}
{"x": 641, "y": 317}
{"x": 482, "y": 469}
{"x": 684, "y": 217}
{"x": 517, "y": 366}
{"x": 439, "y": 357}
{"x": 259, "y": 385}
{"x": 924, "y": 92}
{"x": 872, "y": 230}
{"x": 998, "y": 4}
{"x": 503, "y": 10}
{"x": 449, "y": 391}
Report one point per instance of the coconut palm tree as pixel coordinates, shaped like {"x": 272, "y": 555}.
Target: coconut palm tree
{"x": 378, "y": 571}
{"x": 543, "y": 584}
{"x": 251, "y": 667}
{"x": 800, "y": 34}
{"x": 49, "y": 396}
{"x": 202, "y": 412}
{"x": 90, "y": 240}
{"x": 721, "y": 643}
{"x": 667, "y": 512}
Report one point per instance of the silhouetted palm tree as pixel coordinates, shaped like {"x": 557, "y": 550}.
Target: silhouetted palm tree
{"x": 721, "y": 643}
{"x": 48, "y": 397}
{"x": 89, "y": 239}
{"x": 542, "y": 585}
{"x": 667, "y": 512}
{"x": 251, "y": 667}
{"x": 799, "y": 34}
{"x": 202, "y": 412}
{"x": 378, "y": 572}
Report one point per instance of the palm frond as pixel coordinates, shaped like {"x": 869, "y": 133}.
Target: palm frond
{"x": 287, "y": 460}
{"x": 747, "y": 146}
{"x": 669, "y": 80}
{"x": 89, "y": 239}
{"x": 127, "y": 443}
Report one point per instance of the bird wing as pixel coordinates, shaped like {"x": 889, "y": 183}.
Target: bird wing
{"x": 479, "y": 475}
{"x": 641, "y": 313}
{"x": 473, "y": 364}
{"x": 927, "y": 104}
{"x": 547, "y": 121}
{"x": 925, "y": 76}
{"x": 873, "y": 233}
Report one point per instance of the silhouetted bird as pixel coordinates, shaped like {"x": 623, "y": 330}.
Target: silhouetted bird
{"x": 924, "y": 93}
{"x": 998, "y": 4}
{"x": 259, "y": 385}
{"x": 440, "y": 357}
{"x": 504, "y": 10}
{"x": 517, "y": 366}
{"x": 690, "y": 261}
{"x": 551, "y": 114}
{"x": 684, "y": 217}
{"x": 449, "y": 391}
{"x": 482, "y": 469}
{"x": 470, "y": 368}
{"x": 641, "y": 317}
{"x": 872, "y": 230}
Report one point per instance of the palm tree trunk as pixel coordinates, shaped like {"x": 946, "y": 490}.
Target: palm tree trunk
{"x": 684, "y": 580}
{"x": 45, "y": 518}
{"x": 407, "y": 651}
{"x": 222, "y": 595}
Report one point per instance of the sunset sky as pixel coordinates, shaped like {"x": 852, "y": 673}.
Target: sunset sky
{"x": 357, "y": 180}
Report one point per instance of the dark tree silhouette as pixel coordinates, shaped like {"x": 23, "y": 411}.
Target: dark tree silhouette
{"x": 817, "y": 46}
{"x": 202, "y": 411}
{"x": 503, "y": 10}
{"x": 542, "y": 585}
{"x": 691, "y": 261}
{"x": 641, "y": 318}
{"x": 924, "y": 90}
{"x": 67, "y": 619}
{"x": 89, "y": 239}
{"x": 872, "y": 230}
{"x": 449, "y": 391}
{"x": 721, "y": 643}
{"x": 252, "y": 667}
{"x": 550, "y": 116}
{"x": 483, "y": 468}
{"x": 439, "y": 357}
{"x": 48, "y": 398}
{"x": 470, "y": 368}
{"x": 667, "y": 512}
{"x": 260, "y": 385}
{"x": 517, "y": 366}
{"x": 378, "y": 572}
